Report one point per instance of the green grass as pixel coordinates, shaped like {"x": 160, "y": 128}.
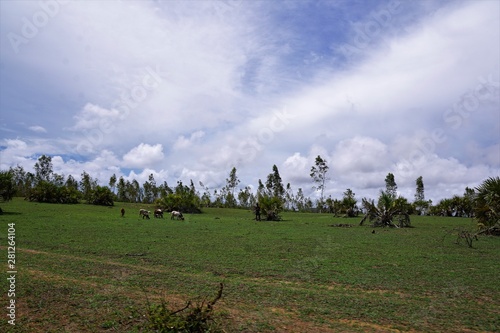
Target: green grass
{"x": 84, "y": 268}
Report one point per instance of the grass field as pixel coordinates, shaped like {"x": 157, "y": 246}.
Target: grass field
{"x": 83, "y": 268}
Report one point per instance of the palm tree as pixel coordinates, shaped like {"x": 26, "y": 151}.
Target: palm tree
{"x": 387, "y": 209}
{"x": 487, "y": 206}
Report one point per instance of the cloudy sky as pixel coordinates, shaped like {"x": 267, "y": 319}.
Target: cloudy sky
{"x": 189, "y": 89}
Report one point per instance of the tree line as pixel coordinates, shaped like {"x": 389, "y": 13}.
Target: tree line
{"x": 273, "y": 196}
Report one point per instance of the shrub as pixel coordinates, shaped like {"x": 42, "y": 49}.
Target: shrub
{"x": 271, "y": 207}
{"x": 190, "y": 319}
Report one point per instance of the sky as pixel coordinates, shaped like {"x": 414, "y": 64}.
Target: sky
{"x": 187, "y": 90}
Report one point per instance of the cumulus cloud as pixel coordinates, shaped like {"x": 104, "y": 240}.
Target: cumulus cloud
{"x": 142, "y": 156}
{"x": 95, "y": 117}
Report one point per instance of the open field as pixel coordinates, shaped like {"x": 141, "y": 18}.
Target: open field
{"x": 83, "y": 268}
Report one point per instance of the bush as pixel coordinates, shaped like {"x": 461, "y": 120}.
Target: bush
{"x": 190, "y": 319}
{"x": 102, "y": 196}
{"x": 49, "y": 192}
{"x": 271, "y": 207}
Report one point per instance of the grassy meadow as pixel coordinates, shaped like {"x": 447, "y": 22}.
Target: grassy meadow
{"x": 83, "y": 268}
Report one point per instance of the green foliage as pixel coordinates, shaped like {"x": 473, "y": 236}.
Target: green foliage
{"x": 101, "y": 195}
{"x": 274, "y": 184}
{"x": 457, "y": 206}
{"x": 387, "y": 209}
{"x": 487, "y": 203}
{"x": 190, "y": 319}
{"x": 318, "y": 174}
{"x": 43, "y": 168}
{"x": 348, "y": 204}
{"x": 271, "y": 207}
{"x": 391, "y": 187}
{"x": 45, "y": 191}
{"x": 183, "y": 198}
{"x": 6, "y": 185}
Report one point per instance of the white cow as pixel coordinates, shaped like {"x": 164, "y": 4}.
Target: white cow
{"x": 177, "y": 215}
{"x": 158, "y": 213}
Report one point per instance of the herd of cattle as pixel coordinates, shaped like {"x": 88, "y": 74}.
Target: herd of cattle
{"x": 158, "y": 213}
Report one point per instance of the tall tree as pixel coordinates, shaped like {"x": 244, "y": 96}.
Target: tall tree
{"x": 43, "y": 168}
{"x": 71, "y": 182}
{"x": 87, "y": 185}
{"x": 112, "y": 183}
{"x": 349, "y": 203}
{"x": 231, "y": 184}
{"x": 274, "y": 184}
{"x": 419, "y": 193}
{"x": 244, "y": 197}
{"x": 300, "y": 200}
{"x": 391, "y": 188}
{"x": 232, "y": 181}
{"x": 23, "y": 180}
{"x": 421, "y": 206}
{"x": 121, "y": 190}
{"x": 318, "y": 174}
{"x": 261, "y": 190}
{"x": 154, "y": 188}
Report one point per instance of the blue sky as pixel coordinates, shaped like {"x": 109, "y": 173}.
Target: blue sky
{"x": 189, "y": 89}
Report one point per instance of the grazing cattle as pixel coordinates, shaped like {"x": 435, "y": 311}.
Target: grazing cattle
{"x": 144, "y": 213}
{"x": 123, "y": 212}
{"x": 177, "y": 215}
{"x": 158, "y": 213}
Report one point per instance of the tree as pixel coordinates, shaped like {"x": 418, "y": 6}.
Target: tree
{"x": 274, "y": 184}
{"x": 421, "y": 205}
{"x": 468, "y": 202}
{"x": 7, "y": 188}
{"x": 135, "y": 191}
{"x": 271, "y": 199}
{"x": 349, "y": 203}
{"x": 87, "y": 185}
{"x": 300, "y": 200}
{"x": 112, "y": 183}
{"x": 71, "y": 183}
{"x": 122, "y": 190}
{"x": 206, "y": 198}
{"x": 183, "y": 198}
{"x": 318, "y": 174}
{"x": 232, "y": 181}
{"x": 22, "y": 180}
{"x": 387, "y": 209}
{"x": 487, "y": 206}
{"x": 390, "y": 185}
{"x": 289, "y": 199}
{"x": 244, "y": 197}
{"x": 43, "y": 168}
{"x": 150, "y": 190}
{"x": 101, "y": 195}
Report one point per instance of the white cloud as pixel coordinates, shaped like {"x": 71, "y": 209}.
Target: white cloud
{"x": 38, "y": 129}
{"x": 182, "y": 142}
{"x": 206, "y": 82}
{"x": 143, "y": 156}
{"x": 95, "y": 117}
